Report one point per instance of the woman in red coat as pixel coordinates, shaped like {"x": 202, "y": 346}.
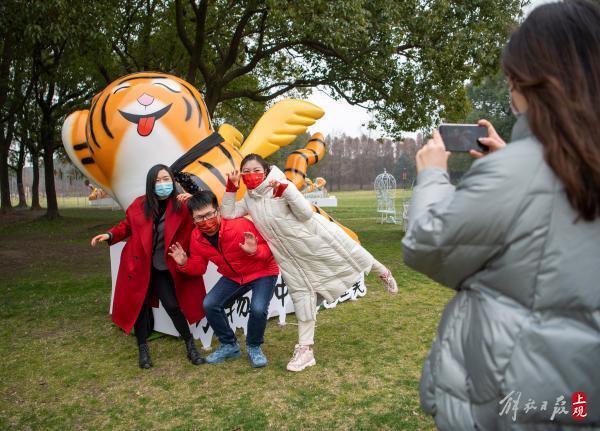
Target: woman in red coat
{"x": 152, "y": 223}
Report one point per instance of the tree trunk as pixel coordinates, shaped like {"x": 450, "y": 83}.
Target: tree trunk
{"x": 5, "y": 204}
{"x": 5, "y": 62}
{"x": 47, "y": 140}
{"x": 20, "y": 187}
{"x": 145, "y": 35}
{"x": 51, "y": 201}
{"x": 35, "y": 184}
{"x": 213, "y": 93}
{"x": 190, "y": 76}
{"x": 5, "y": 140}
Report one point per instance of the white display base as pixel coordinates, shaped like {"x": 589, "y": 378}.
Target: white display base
{"x": 280, "y": 305}
{"x": 330, "y": 201}
{"x": 104, "y": 202}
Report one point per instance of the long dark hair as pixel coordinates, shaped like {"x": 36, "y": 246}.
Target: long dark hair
{"x": 553, "y": 59}
{"x": 259, "y": 159}
{"x": 151, "y": 200}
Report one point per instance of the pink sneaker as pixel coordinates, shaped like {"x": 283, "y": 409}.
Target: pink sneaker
{"x": 388, "y": 282}
{"x": 303, "y": 357}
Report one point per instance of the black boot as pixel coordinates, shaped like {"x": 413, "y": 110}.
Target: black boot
{"x": 192, "y": 353}
{"x": 145, "y": 361}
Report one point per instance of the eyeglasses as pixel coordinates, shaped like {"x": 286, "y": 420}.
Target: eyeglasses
{"x": 205, "y": 216}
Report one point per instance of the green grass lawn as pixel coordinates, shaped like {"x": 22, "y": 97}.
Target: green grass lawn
{"x": 66, "y": 366}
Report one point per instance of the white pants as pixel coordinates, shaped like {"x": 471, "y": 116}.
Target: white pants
{"x": 306, "y": 332}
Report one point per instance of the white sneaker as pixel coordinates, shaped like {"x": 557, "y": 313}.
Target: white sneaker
{"x": 388, "y": 282}
{"x": 303, "y": 357}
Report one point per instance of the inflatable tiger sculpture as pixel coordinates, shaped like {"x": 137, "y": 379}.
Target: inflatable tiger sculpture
{"x": 146, "y": 118}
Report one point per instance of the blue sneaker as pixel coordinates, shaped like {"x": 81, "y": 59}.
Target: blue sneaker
{"x": 224, "y": 351}
{"x": 256, "y": 356}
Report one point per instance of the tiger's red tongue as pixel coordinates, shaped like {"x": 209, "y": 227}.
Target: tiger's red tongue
{"x": 145, "y": 126}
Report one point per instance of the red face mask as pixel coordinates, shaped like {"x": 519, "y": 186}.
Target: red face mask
{"x": 208, "y": 226}
{"x": 253, "y": 180}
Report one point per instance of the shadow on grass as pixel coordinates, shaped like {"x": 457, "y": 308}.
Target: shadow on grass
{"x": 65, "y": 366}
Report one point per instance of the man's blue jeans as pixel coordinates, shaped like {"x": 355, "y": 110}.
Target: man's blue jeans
{"x": 225, "y": 292}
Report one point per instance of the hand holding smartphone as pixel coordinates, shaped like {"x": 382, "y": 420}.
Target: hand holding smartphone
{"x": 461, "y": 138}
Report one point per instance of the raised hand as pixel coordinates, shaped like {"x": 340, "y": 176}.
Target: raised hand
{"x": 250, "y": 243}
{"x": 234, "y": 177}
{"x": 433, "y": 154}
{"x": 178, "y": 254}
{"x": 182, "y": 197}
{"x": 493, "y": 141}
{"x": 100, "y": 238}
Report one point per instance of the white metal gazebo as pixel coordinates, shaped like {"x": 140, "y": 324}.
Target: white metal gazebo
{"x": 385, "y": 189}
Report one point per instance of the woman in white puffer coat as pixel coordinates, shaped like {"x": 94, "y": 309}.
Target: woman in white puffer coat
{"x": 315, "y": 255}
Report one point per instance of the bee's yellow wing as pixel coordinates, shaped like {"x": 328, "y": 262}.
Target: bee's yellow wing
{"x": 280, "y": 125}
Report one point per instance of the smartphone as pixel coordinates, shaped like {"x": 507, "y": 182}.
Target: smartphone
{"x": 459, "y": 138}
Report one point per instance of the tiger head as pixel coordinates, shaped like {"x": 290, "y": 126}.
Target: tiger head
{"x": 140, "y": 120}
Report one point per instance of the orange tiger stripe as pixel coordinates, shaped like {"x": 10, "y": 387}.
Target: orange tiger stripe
{"x": 187, "y": 119}
{"x": 298, "y": 162}
{"x": 212, "y": 168}
{"x": 297, "y": 165}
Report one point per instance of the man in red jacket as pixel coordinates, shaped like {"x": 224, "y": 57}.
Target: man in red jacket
{"x": 245, "y": 262}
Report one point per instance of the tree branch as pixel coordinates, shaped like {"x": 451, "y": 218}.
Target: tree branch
{"x": 201, "y": 14}
{"x": 194, "y": 6}
{"x": 287, "y": 86}
{"x": 180, "y": 24}
{"x": 401, "y": 48}
{"x": 256, "y": 57}
{"x": 351, "y": 101}
{"x": 309, "y": 43}
{"x": 234, "y": 45}
{"x": 125, "y": 51}
{"x": 124, "y": 60}
{"x": 19, "y": 106}
{"x": 104, "y": 73}
{"x": 195, "y": 50}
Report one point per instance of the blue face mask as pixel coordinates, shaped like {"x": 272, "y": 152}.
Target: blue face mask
{"x": 163, "y": 190}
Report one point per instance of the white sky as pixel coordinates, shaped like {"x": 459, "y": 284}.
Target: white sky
{"x": 341, "y": 117}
